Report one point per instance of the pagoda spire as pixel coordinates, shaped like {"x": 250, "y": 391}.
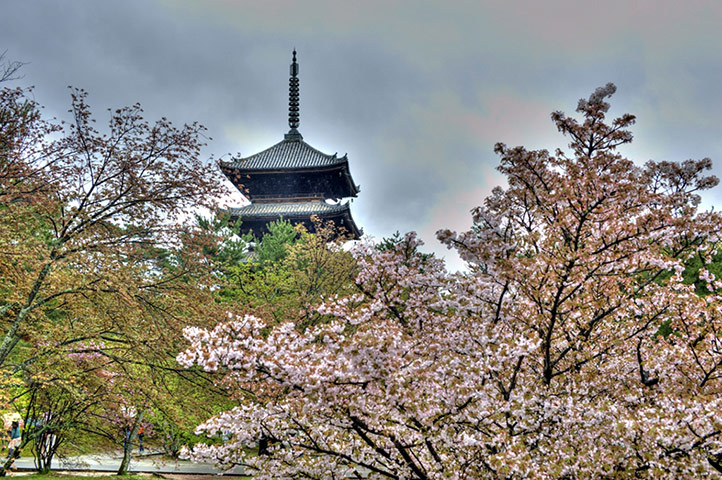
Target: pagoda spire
{"x": 293, "y": 95}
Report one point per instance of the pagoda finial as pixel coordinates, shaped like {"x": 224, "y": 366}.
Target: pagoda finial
{"x": 293, "y": 116}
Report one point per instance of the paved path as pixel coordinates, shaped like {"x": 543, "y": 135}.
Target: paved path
{"x": 111, "y": 463}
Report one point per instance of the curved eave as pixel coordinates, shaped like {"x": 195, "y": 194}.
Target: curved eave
{"x": 355, "y": 189}
{"x": 227, "y": 169}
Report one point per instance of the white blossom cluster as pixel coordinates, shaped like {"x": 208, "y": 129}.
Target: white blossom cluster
{"x": 574, "y": 349}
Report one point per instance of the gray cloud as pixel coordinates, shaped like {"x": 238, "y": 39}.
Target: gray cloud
{"x": 415, "y": 92}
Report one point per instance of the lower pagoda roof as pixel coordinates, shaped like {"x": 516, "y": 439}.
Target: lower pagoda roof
{"x": 256, "y": 216}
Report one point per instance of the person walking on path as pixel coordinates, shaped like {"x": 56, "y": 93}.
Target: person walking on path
{"x": 15, "y": 439}
{"x": 141, "y": 435}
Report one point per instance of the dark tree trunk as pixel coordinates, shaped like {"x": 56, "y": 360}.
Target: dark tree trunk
{"x": 128, "y": 445}
{"x": 46, "y": 445}
{"x": 263, "y": 446}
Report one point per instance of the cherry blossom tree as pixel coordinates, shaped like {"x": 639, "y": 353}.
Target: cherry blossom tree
{"x": 8, "y": 68}
{"x": 573, "y": 348}
{"x": 85, "y": 211}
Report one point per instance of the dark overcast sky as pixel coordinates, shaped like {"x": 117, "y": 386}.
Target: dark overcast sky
{"x": 416, "y": 92}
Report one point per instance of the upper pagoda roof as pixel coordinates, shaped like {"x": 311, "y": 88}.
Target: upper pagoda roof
{"x": 288, "y": 154}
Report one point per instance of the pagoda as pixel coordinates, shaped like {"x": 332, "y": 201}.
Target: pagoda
{"x": 292, "y": 180}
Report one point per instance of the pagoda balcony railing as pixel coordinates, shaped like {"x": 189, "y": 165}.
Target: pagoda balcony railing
{"x": 296, "y": 197}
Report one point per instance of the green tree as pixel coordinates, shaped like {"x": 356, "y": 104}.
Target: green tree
{"x": 290, "y": 272}
{"x": 99, "y": 253}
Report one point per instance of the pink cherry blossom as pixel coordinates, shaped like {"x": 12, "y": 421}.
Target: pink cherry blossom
{"x": 572, "y": 349}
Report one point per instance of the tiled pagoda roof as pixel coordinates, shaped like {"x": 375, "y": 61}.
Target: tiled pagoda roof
{"x": 287, "y": 154}
{"x": 289, "y": 209}
{"x": 256, "y": 216}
